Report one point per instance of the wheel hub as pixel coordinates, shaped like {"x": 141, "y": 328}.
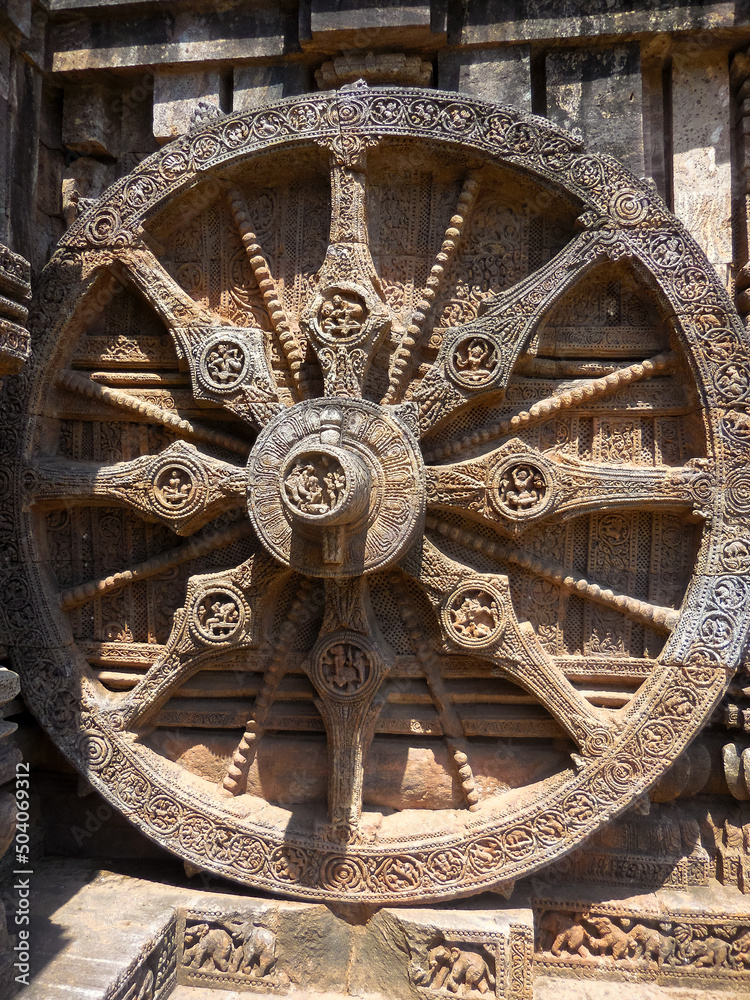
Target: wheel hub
{"x": 335, "y": 487}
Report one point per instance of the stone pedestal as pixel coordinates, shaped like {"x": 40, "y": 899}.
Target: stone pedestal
{"x": 98, "y": 935}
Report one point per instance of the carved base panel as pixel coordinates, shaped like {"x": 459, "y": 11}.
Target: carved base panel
{"x": 198, "y": 937}
{"x": 699, "y": 938}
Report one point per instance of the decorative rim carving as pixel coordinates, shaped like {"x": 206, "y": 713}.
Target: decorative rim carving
{"x": 499, "y": 842}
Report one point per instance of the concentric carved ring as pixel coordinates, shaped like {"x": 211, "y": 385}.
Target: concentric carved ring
{"x": 340, "y": 465}
{"x": 473, "y": 615}
{"x": 345, "y": 666}
{"x": 217, "y": 614}
{"x": 179, "y": 487}
{"x": 223, "y": 363}
{"x": 474, "y": 362}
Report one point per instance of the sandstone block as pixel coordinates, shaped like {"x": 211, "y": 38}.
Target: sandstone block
{"x": 90, "y": 122}
{"x": 176, "y": 97}
{"x": 499, "y": 74}
{"x": 351, "y": 24}
{"x": 257, "y": 85}
{"x": 598, "y": 92}
{"x": 701, "y": 140}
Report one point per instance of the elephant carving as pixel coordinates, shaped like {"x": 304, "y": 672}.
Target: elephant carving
{"x": 256, "y": 954}
{"x": 471, "y": 971}
{"x": 207, "y": 947}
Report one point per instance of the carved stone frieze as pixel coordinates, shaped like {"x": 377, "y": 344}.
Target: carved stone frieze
{"x": 15, "y": 292}
{"x": 654, "y": 941}
{"x": 353, "y": 346}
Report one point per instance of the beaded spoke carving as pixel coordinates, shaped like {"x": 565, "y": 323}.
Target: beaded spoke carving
{"x": 378, "y": 418}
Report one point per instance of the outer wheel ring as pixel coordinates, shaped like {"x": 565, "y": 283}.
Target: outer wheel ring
{"x": 680, "y": 694}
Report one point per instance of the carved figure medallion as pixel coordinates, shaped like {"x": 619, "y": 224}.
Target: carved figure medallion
{"x": 366, "y": 535}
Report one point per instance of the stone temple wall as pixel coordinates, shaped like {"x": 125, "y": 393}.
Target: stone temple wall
{"x": 88, "y": 91}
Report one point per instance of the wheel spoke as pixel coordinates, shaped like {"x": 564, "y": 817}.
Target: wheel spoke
{"x": 402, "y": 359}
{"x": 450, "y": 721}
{"x": 585, "y": 392}
{"x": 228, "y": 365}
{"x": 652, "y": 615}
{"x": 347, "y": 320}
{"x": 180, "y": 487}
{"x": 516, "y": 487}
{"x": 347, "y": 666}
{"x": 271, "y": 297}
{"x": 126, "y": 401}
{"x": 302, "y": 609}
{"x": 477, "y": 359}
{"x": 477, "y": 618}
{"x": 218, "y": 616}
{"x": 193, "y": 549}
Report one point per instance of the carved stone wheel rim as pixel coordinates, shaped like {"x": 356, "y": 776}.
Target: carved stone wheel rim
{"x": 460, "y": 851}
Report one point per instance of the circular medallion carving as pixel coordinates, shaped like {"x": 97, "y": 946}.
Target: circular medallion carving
{"x": 217, "y": 615}
{"x": 179, "y": 487}
{"x": 473, "y": 615}
{"x": 344, "y": 665}
{"x": 368, "y": 487}
{"x": 223, "y": 363}
{"x": 521, "y": 488}
{"x": 475, "y": 362}
{"x": 348, "y": 497}
{"x": 341, "y": 316}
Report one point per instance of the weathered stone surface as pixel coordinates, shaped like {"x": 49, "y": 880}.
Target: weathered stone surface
{"x": 348, "y": 24}
{"x": 153, "y": 36}
{"x": 502, "y": 75}
{"x": 178, "y": 95}
{"x": 376, "y": 68}
{"x": 79, "y": 915}
{"x": 15, "y": 346}
{"x": 702, "y": 163}
{"x": 598, "y": 92}
{"x": 590, "y": 497}
{"x": 258, "y": 85}
{"x": 81, "y": 184}
{"x": 90, "y": 122}
{"x": 491, "y": 21}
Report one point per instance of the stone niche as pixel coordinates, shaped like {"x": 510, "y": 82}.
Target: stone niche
{"x": 381, "y": 509}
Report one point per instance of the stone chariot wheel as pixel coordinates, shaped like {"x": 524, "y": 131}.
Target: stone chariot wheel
{"x": 378, "y": 495}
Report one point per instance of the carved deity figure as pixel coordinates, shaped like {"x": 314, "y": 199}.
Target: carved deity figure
{"x": 224, "y": 363}
{"x": 474, "y": 618}
{"x": 312, "y": 492}
{"x": 176, "y": 490}
{"x": 219, "y": 617}
{"x": 476, "y": 360}
{"x": 345, "y": 667}
{"x": 341, "y": 317}
{"x": 522, "y": 487}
